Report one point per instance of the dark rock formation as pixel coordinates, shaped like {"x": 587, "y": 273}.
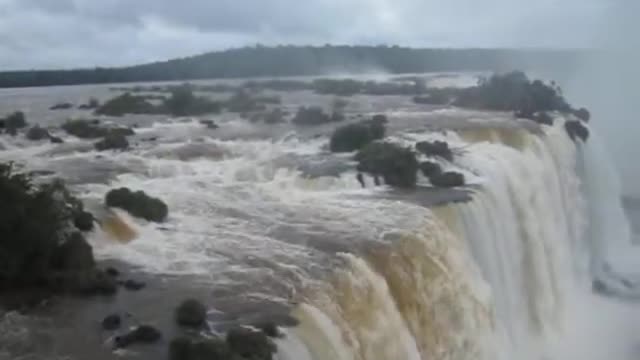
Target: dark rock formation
{"x": 429, "y": 168}
{"x": 83, "y": 221}
{"x": 113, "y": 272}
{"x": 513, "y": 92}
{"x": 56, "y": 140}
{"x": 138, "y": 204}
{"x": 435, "y": 148}
{"x": 447, "y": 179}
{"x": 92, "y": 104}
{"x": 269, "y": 328}
{"x": 183, "y": 348}
{"x": 582, "y": 114}
{"x": 576, "y": 130}
{"x": 210, "y": 124}
{"x": 37, "y": 133}
{"x": 74, "y": 254}
{"x": 355, "y": 136}
{"x": 111, "y": 322}
{"x": 134, "y": 285}
{"x": 397, "y": 165}
{"x": 311, "y": 116}
{"x": 143, "y": 334}
{"x": 112, "y": 141}
{"x": 250, "y": 344}
{"x": 61, "y": 106}
{"x": 191, "y": 313}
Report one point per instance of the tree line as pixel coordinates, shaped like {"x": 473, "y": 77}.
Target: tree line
{"x": 261, "y": 61}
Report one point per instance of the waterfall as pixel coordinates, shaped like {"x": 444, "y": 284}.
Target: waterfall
{"x": 504, "y": 276}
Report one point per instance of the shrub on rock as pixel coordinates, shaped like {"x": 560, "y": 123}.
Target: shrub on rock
{"x": 435, "y": 148}
{"x": 243, "y": 102}
{"x": 14, "y": 122}
{"x": 397, "y": 165}
{"x": 183, "y": 102}
{"x": 33, "y": 223}
{"x": 250, "y": 344}
{"x": 355, "y": 136}
{"x": 576, "y": 130}
{"x": 513, "y": 92}
{"x": 191, "y": 313}
{"x": 127, "y": 104}
{"x": 37, "y": 133}
{"x": 311, "y": 116}
{"x": 112, "y": 141}
{"x": 582, "y": 114}
{"x": 183, "y": 348}
{"x": 447, "y": 179}
{"x": 138, "y": 204}
{"x": 74, "y": 254}
{"x": 84, "y": 129}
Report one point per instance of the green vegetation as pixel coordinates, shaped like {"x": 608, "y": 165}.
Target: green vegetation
{"x": 353, "y": 137}
{"x": 260, "y": 61}
{"x": 138, "y": 204}
{"x": 397, "y": 165}
{"x": 38, "y": 248}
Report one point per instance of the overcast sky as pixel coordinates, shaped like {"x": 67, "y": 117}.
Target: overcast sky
{"x": 71, "y": 33}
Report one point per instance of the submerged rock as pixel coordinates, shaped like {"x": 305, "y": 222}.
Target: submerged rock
{"x": 112, "y": 141}
{"x": 37, "y": 133}
{"x": 312, "y": 116}
{"x": 113, "y": 272}
{"x": 576, "y": 130}
{"x": 447, "y": 179}
{"x": 134, "y": 285}
{"x": 143, "y": 334}
{"x": 191, "y": 313}
{"x": 429, "y": 168}
{"x": 111, "y": 322}
{"x": 138, "y": 204}
{"x": 56, "y": 140}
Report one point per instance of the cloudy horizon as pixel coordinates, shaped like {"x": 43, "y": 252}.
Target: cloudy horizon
{"x": 86, "y": 33}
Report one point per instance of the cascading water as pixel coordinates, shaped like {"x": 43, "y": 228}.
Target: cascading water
{"x": 372, "y": 274}
{"x": 528, "y": 223}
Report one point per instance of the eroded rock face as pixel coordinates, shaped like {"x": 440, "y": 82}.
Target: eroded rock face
{"x": 191, "y": 313}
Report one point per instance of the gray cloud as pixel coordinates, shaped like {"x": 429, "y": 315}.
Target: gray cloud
{"x": 67, "y": 33}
